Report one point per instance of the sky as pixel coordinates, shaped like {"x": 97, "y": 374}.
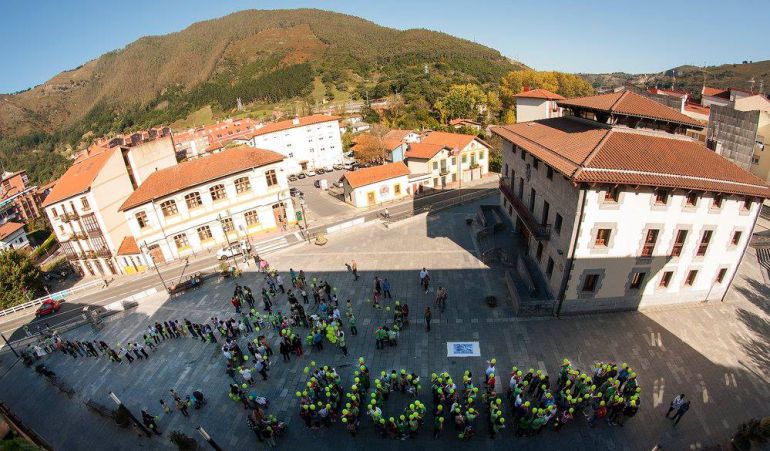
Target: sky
{"x": 39, "y": 39}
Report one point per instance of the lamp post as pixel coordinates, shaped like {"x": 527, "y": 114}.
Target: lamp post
{"x": 147, "y": 249}
{"x": 208, "y": 438}
{"x": 121, "y": 406}
{"x": 304, "y": 217}
{"x": 227, "y": 238}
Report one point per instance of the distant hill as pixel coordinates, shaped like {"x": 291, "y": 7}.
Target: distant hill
{"x": 260, "y": 56}
{"x": 691, "y": 78}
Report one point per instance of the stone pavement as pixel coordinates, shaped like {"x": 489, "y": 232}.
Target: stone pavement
{"x": 716, "y": 354}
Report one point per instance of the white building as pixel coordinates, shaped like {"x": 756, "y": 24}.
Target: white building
{"x": 447, "y": 156}
{"x": 83, "y": 205}
{"x": 535, "y": 104}
{"x": 371, "y": 186}
{"x": 308, "y": 142}
{"x": 13, "y": 236}
{"x": 206, "y": 203}
{"x": 615, "y": 214}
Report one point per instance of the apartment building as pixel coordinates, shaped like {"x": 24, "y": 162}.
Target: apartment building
{"x": 83, "y": 205}
{"x": 308, "y": 142}
{"x": 206, "y": 203}
{"x": 535, "y": 104}
{"x": 202, "y": 140}
{"x": 19, "y": 201}
{"x": 618, "y": 209}
{"x": 740, "y": 132}
{"x": 448, "y": 158}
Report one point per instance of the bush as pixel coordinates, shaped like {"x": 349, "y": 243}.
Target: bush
{"x": 183, "y": 442}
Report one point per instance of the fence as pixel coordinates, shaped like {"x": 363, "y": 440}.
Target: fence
{"x": 440, "y": 205}
{"x": 59, "y": 295}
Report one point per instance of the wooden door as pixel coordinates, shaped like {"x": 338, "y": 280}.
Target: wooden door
{"x": 370, "y": 199}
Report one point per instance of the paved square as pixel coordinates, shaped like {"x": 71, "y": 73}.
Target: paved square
{"x": 716, "y": 354}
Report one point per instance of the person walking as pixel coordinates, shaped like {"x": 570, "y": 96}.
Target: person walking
{"x": 428, "y": 315}
{"x": 675, "y": 404}
{"x": 279, "y": 281}
{"x": 354, "y": 269}
{"x": 680, "y": 412}
{"x": 386, "y": 289}
{"x": 285, "y": 350}
{"x": 182, "y": 406}
{"x": 149, "y": 422}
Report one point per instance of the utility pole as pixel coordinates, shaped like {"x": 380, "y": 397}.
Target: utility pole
{"x": 304, "y": 217}
{"x": 227, "y": 238}
{"x": 208, "y": 438}
{"x": 152, "y": 259}
{"x": 121, "y": 406}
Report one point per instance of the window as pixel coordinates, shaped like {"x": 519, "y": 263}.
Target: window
{"x": 193, "y": 200}
{"x": 549, "y": 268}
{"x": 546, "y": 210}
{"x": 181, "y": 241}
{"x": 251, "y": 217}
{"x": 666, "y": 279}
{"x": 704, "y": 242}
{"x": 612, "y": 194}
{"x": 435, "y": 165}
{"x": 691, "y": 277}
{"x": 721, "y": 275}
{"x": 649, "y": 242}
{"x": 397, "y": 189}
{"x": 506, "y": 169}
{"x": 271, "y": 178}
{"x": 218, "y": 192}
{"x": 169, "y": 208}
{"x": 54, "y": 212}
{"x": 692, "y": 199}
{"x": 539, "y": 253}
{"x": 736, "y": 238}
{"x": 242, "y": 185}
{"x": 465, "y": 159}
{"x": 535, "y": 163}
{"x": 549, "y": 173}
{"x": 603, "y": 237}
{"x": 681, "y": 235}
{"x": 85, "y": 204}
{"x": 513, "y": 149}
{"x": 481, "y": 155}
{"x": 661, "y": 197}
{"x": 227, "y": 225}
{"x": 204, "y": 233}
{"x": 557, "y": 223}
{"x": 589, "y": 285}
{"x": 746, "y": 204}
{"x": 532, "y": 196}
{"x": 141, "y": 219}
{"x": 717, "y": 202}
{"x": 523, "y": 154}
{"x": 636, "y": 280}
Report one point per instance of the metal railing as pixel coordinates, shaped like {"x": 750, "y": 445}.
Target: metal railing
{"x": 58, "y": 295}
{"x": 539, "y": 231}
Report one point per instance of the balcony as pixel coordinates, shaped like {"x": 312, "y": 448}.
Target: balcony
{"x": 541, "y": 232}
{"x": 94, "y": 232}
{"x": 104, "y": 252}
{"x": 68, "y": 217}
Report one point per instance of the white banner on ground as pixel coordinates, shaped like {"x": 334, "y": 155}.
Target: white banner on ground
{"x": 463, "y": 349}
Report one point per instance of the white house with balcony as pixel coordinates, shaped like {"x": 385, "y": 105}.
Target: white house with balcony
{"x": 449, "y": 159}
{"x": 203, "y": 204}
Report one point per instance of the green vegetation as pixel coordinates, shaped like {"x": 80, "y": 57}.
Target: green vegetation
{"x": 20, "y": 279}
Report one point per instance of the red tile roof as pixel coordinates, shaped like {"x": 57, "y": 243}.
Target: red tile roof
{"x": 539, "y": 94}
{"x": 697, "y": 108}
{"x": 461, "y": 121}
{"x": 597, "y": 154}
{"x": 668, "y": 92}
{"x": 424, "y": 151}
{"x": 9, "y": 228}
{"x": 128, "y": 246}
{"x": 715, "y": 92}
{"x": 398, "y": 134}
{"x": 367, "y": 176}
{"x": 79, "y": 177}
{"x": 451, "y": 140}
{"x": 196, "y": 172}
{"x": 288, "y": 124}
{"x": 630, "y": 104}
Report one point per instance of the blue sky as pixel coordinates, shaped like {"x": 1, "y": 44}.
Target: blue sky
{"x": 39, "y": 39}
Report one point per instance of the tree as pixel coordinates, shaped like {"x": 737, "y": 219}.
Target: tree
{"x": 20, "y": 279}
{"x": 371, "y": 147}
{"x": 462, "y": 101}
{"x": 567, "y": 85}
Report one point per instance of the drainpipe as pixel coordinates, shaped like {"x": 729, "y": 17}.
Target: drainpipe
{"x": 570, "y": 261}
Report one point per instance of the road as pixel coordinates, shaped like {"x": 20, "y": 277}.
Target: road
{"x": 321, "y": 204}
{"x": 11, "y": 326}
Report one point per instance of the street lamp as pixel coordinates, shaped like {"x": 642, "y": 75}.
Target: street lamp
{"x": 147, "y": 249}
{"x": 122, "y": 407}
{"x": 208, "y": 438}
{"x": 227, "y": 238}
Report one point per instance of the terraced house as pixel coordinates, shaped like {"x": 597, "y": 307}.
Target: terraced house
{"x": 206, "y": 203}
{"x": 618, "y": 209}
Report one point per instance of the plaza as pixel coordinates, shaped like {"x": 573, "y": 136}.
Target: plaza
{"x": 717, "y": 353}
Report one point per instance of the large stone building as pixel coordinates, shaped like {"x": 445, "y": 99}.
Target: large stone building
{"x": 206, "y": 203}
{"x": 83, "y": 205}
{"x": 19, "y": 201}
{"x": 618, "y": 209}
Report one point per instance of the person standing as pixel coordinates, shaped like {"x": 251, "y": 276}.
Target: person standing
{"x": 285, "y": 349}
{"x": 675, "y": 404}
{"x": 680, "y": 412}
{"x": 352, "y": 323}
{"x": 182, "y": 406}
{"x": 386, "y": 289}
{"x": 428, "y": 315}
{"x": 279, "y": 281}
{"x": 354, "y": 269}
{"x": 149, "y": 422}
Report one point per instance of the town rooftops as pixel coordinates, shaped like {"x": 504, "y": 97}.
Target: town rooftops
{"x": 716, "y": 92}
{"x": 589, "y": 153}
{"x": 398, "y": 134}
{"x": 9, "y": 228}
{"x": 367, "y": 176}
{"x": 462, "y": 121}
{"x": 451, "y": 140}
{"x": 292, "y": 123}
{"x": 196, "y": 172}
{"x": 128, "y": 246}
{"x": 538, "y": 94}
{"x": 629, "y": 103}
{"x": 668, "y": 92}
{"x": 423, "y": 151}
{"x": 79, "y": 177}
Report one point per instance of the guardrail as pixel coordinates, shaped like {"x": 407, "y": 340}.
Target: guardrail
{"x": 55, "y": 296}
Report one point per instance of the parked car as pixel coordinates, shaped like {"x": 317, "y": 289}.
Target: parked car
{"x": 329, "y": 168}
{"x": 347, "y": 166}
{"x": 337, "y": 167}
{"x": 300, "y": 175}
{"x": 233, "y": 250}
{"x": 294, "y": 191}
{"x": 293, "y": 178}
{"x": 320, "y": 171}
{"x": 48, "y": 306}
{"x": 310, "y": 173}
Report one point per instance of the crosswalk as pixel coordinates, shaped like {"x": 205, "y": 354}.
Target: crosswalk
{"x": 268, "y": 246}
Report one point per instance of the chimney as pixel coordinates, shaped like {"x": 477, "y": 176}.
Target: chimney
{"x": 295, "y": 121}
